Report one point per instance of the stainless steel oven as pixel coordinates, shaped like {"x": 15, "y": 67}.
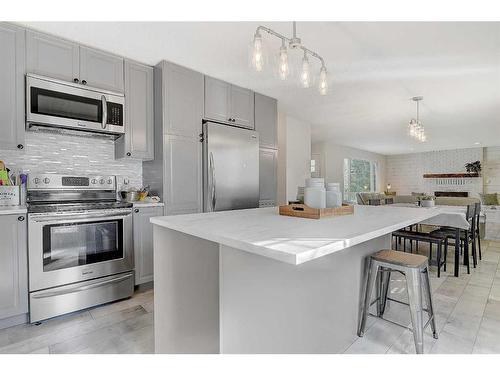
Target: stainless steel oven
{"x": 54, "y": 103}
{"x": 80, "y": 244}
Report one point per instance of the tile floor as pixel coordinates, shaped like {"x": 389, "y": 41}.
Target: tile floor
{"x": 121, "y": 327}
{"x": 467, "y": 314}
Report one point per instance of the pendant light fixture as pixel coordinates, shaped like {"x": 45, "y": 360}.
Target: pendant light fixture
{"x": 415, "y": 128}
{"x": 294, "y": 43}
{"x": 283, "y": 68}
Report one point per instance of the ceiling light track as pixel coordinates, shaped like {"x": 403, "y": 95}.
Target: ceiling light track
{"x": 293, "y": 43}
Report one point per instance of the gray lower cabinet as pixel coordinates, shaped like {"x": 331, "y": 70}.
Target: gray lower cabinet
{"x": 12, "y": 70}
{"x": 268, "y": 180}
{"x": 138, "y": 140}
{"x": 228, "y": 103}
{"x": 266, "y": 120}
{"x": 143, "y": 243}
{"x": 51, "y": 56}
{"x": 13, "y": 266}
{"x": 101, "y": 69}
{"x": 183, "y": 180}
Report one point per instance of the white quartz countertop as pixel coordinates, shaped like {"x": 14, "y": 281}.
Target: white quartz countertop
{"x": 13, "y": 210}
{"x": 294, "y": 240}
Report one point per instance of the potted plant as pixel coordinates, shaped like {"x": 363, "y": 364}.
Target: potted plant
{"x": 474, "y": 167}
{"x": 427, "y": 201}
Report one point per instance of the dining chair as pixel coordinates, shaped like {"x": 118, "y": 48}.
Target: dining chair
{"x": 478, "y": 230}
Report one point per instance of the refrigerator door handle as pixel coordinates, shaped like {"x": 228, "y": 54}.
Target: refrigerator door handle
{"x": 213, "y": 198}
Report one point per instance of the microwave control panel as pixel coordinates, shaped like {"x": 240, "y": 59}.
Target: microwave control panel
{"x": 115, "y": 114}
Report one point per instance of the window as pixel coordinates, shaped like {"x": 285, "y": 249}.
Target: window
{"x": 359, "y": 176}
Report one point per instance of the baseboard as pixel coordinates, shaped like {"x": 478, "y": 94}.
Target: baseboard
{"x": 13, "y": 321}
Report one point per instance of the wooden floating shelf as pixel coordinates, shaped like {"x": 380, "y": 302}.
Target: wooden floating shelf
{"x": 450, "y": 175}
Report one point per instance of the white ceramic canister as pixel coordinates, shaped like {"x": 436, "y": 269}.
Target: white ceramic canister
{"x": 315, "y": 197}
{"x": 334, "y": 186}
{"x": 315, "y": 182}
{"x": 333, "y": 198}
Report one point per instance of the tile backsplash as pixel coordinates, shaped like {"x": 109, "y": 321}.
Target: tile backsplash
{"x": 71, "y": 154}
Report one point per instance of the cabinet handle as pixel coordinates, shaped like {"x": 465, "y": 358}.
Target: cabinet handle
{"x": 84, "y": 82}
{"x": 136, "y": 210}
{"x": 129, "y": 154}
{"x": 20, "y": 146}
{"x": 76, "y": 80}
{"x": 20, "y": 218}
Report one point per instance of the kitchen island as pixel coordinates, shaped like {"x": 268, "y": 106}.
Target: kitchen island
{"x": 252, "y": 281}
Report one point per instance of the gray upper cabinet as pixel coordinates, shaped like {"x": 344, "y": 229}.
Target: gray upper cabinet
{"x": 143, "y": 243}
{"x": 138, "y": 141}
{"x": 242, "y": 106}
{"x": 184, "y": 100}
{"x": 13, "y": 266}
{"x": 268, "y": 169}
{"x": 101, "y": 69}
{"x": 228, "y": 103}
{"x": 266, "y": 120}
{"x": 183, "y": 189}
{"x": 50, "y": 56}
{"x": 59, "y": 58}
{"x": 217, "y": 100}
{"x": 12, "y": 70}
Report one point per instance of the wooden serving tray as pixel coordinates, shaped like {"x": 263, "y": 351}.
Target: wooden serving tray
{"x": 301, "y": 210}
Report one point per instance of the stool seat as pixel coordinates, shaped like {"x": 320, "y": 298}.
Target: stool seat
{"x": 400, "y": 258}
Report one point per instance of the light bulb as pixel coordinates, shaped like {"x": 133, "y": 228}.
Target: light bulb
{"x": 283, "y": 68}
{"x": 323, "y": 81}
{"x": 257, "y": 56}
{"x": 305, "y": 75}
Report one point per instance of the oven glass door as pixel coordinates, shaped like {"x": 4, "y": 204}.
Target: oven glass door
{"x": 70, "y": 245}
{"x": 60, "y": 104}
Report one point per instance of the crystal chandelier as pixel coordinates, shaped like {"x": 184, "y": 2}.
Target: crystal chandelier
{"x": 415, "y": 128}
{"x": 305, "y": 76}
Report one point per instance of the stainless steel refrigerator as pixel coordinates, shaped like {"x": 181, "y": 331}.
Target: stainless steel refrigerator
{"x": 230, "y": 167}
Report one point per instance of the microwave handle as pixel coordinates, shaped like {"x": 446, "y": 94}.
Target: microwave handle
{"x": 104, "y": 112}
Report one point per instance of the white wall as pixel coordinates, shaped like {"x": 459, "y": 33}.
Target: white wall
{"x": 294, "y": 156}
{"x": 405, "y": 172}
{"x": 332, "y": 161}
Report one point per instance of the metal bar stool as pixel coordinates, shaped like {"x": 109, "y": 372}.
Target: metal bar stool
{"x": 415, "y": 268}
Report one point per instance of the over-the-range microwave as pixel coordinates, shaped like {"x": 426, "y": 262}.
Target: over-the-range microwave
{"x": 55, "y": 103}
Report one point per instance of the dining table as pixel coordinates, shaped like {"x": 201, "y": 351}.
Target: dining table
{"x": 446, "y": 216}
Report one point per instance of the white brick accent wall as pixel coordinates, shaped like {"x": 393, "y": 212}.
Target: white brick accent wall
{"x": 491, "y": 170}
{"x": 57, "y": 153}
{"x": 405, "y": 172}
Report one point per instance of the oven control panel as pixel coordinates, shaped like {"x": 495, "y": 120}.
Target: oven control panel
{"x": 70, "y": 182}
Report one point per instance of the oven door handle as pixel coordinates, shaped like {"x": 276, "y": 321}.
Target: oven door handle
{"x": 79, "y": 218}
{"x": 75, "y": 289}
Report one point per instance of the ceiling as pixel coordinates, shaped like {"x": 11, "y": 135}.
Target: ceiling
{"x": 374, "y": 67}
